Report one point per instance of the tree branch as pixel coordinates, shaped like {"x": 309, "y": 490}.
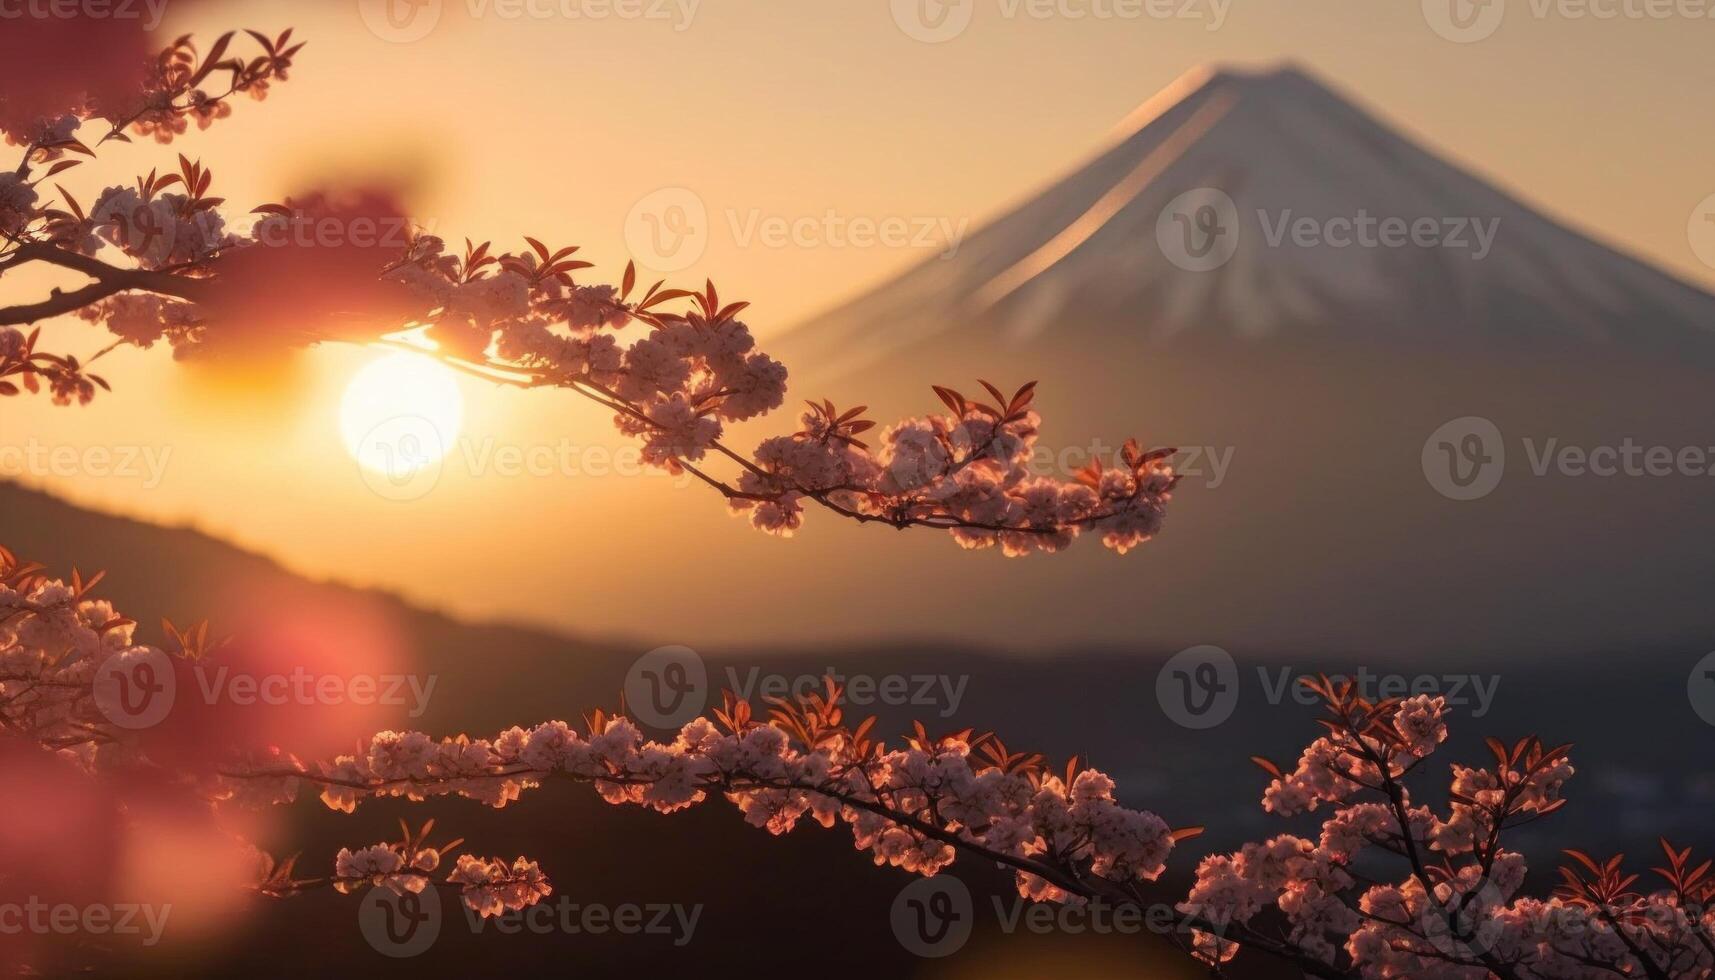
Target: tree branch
{"x": 109, "y": 280}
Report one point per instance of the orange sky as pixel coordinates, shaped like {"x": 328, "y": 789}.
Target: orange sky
{"x": 767, "y": 113}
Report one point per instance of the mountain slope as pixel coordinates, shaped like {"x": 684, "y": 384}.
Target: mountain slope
{"x": 1093, "y": 258}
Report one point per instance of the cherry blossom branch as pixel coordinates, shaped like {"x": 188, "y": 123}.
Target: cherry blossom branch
{"x": 1464, "y": 914}
{"x": 109, "y": 280}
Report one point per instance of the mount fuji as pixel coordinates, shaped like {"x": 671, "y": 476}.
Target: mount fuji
{"x": 1281, "y": 177}
{"x": 1308, "y": 378}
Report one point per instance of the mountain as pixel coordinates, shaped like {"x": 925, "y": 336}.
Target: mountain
{"x": 1309, "y": 386}
{"x": 1234, "y": 161}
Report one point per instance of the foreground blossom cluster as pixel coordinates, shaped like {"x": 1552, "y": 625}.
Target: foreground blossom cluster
{"x": 53, "y": 637}
{"x": 912, "y": 807}
{"x": 1453, "y": 906}
{"x": 169, "y": 263}
{"x": 488, "y": 886}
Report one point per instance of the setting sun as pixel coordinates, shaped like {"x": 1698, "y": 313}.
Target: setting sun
{"x": 400, "y": 413}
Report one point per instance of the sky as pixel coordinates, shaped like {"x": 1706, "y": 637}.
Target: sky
{"x": 750, "y": 141}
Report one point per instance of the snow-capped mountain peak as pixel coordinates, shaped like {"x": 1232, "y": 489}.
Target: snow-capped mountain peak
{"x": 1246, "y": 205}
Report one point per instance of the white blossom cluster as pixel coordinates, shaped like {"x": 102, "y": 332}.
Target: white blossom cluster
{"x": 909, "y": 808}
{"x": 488, "y": 886}
{"x": 678, "y": 385}
{"x": 52, "y": 641}
{"x": 1461, "y": 916}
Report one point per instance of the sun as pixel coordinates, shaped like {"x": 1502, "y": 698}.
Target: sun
{"x": 400, "y": 413}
